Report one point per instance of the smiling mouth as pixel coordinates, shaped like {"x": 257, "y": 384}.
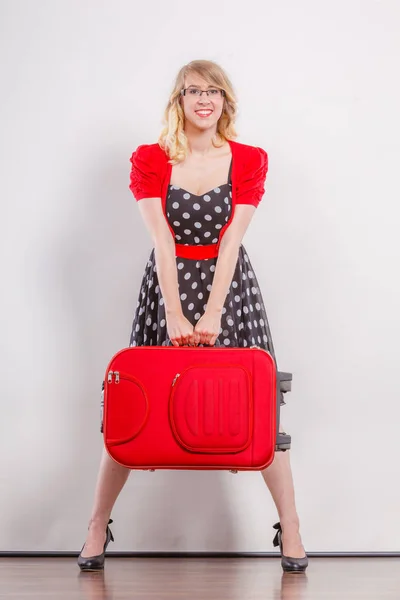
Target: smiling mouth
{"x": 204, "y": 113}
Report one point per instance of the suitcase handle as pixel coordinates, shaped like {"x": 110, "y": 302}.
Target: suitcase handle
{"x": 216, "y": 345}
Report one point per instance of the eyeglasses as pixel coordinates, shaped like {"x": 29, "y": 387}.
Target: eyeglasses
{"x": 197, "y": 93}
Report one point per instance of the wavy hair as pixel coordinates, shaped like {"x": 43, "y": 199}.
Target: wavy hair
{"x": 172, "y": 138}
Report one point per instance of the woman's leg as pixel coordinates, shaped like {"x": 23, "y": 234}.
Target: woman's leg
{"x": 279, "y": 479}
{"x": 110, "y": 481}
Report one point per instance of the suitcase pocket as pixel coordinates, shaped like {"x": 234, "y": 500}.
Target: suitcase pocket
{"x": 211, "y": 408}
{"x": 130, "y": 409}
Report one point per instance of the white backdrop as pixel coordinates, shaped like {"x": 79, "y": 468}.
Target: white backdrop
{"x": 83, "y": 82}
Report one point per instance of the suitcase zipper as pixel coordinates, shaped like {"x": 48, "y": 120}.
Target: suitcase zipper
{"x": 116, "y": 373}
{"x": 110, "y": 376}
{"x": 175, "y": 378}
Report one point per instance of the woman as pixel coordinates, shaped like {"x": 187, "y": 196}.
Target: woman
{"x": 197, "y": 191}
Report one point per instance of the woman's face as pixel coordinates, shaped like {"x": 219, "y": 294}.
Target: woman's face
{"x": 202, "y": 111}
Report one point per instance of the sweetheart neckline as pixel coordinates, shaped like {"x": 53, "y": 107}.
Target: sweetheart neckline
{"x": 198, "y": 195}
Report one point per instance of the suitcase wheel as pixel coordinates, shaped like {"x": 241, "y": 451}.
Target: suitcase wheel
{"x": 283, "y": 442}
{"x": 285, "y": 381}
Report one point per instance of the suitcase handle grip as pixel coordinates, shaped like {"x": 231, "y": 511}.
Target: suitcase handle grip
{"x": 216, "y": 345}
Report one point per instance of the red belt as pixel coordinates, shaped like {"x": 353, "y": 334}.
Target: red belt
{"x": 196, "y": 252}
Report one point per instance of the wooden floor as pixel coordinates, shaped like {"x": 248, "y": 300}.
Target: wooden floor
{"x": 200, "y": 579}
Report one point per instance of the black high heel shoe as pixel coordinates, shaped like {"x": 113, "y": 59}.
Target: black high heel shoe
{"x": 289, "y": 564}
{"x": 96, "y": 563}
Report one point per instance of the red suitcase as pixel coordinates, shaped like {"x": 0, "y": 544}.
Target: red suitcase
{"x": 184, "y": 407}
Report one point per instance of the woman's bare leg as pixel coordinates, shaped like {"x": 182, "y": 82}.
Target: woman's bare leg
{"x": 279, "y": 479}
{"x": 110, "y": 481}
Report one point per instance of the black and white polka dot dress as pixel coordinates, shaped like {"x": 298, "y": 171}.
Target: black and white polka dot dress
{"x": 199, "y": 220}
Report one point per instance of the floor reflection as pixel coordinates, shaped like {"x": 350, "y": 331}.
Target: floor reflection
{"x": 96, "y": 586}
{"x": 293, "y": 587}
{"x": 93, "y": 585}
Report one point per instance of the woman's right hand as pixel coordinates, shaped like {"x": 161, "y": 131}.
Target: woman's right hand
{"x": 181, "y": 331}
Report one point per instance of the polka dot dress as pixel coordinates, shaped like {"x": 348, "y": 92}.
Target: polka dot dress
{"x": 198, "y": 220}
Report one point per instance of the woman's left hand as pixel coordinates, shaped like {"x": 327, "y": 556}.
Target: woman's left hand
{"x": 208, "y": 326}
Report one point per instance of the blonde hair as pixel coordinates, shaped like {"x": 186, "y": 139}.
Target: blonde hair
{"x": 172, "y": 138}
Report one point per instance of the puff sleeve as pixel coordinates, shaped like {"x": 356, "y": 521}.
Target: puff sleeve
{"x": 251, "y": 187}
{"x": 145, "y": 181}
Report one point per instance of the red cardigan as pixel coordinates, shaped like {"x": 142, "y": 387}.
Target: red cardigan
{"x": 151, "y": 174}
